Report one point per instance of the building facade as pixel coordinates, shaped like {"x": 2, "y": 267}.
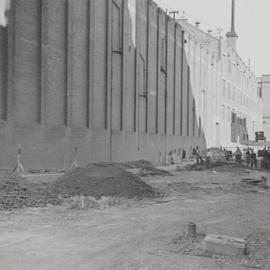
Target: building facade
{"x": 225, "y": 88}
{"x": 117, "y": 80}
{"x": 264, "y": 90}
{"x": 108, "y": 77}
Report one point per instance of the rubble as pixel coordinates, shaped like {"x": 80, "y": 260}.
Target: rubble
{"x": 17, "y": 192}
{"x": 224, "y": 245}
{"x": 252, "y": 181}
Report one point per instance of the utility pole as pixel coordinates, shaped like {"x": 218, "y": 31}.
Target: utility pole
{"x": 174, "y": 12}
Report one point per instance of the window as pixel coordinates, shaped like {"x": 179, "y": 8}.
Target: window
{"x": 229, "y": 91}
{"x": 241, "y": 99}
{"x": 223, "y": 112}
{"x": 233, "y": 117}
{"x": 229, "y": 66}
{"x": 229, "y": 114}
{"x": 224, "y": 88}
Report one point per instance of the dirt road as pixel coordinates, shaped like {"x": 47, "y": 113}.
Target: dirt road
{"x": 139, "y": 235}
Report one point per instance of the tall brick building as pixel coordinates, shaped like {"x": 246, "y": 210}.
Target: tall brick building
{"x": 119, "y": 80}
{"x": 107, "y": 76}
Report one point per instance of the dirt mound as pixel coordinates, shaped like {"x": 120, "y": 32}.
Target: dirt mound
{"x": 102, "y": 181}
{"x": 126, "y": 165}
{"x": 146, "y": 166}
{"x": 16, "y": 192}
{"x": 217, "y": 155}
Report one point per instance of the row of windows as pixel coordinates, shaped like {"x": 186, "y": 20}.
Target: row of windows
{"x": 228, "y": 115}
{"x": 231, "y": 93}
{"x": 241, "y": 76}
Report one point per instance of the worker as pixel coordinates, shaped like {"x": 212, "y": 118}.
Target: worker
{"x": 253, "y": 159}
{"x": 198, "y": 155}
{"x": 238, "y": 155}
{"x": 194, "y": 152}
{"x": 248, "y": 157}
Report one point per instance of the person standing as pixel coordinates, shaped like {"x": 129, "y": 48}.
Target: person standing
{"x": 198, "y": 155}
{"x": 253, "y": 159}
{"x": 238, "y": 155}
{"x": 248, "y": 157}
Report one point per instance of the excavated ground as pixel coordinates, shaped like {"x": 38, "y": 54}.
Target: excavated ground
{"x": 120, "y": 232}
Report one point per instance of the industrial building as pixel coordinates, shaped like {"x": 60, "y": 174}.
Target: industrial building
{"x": 224, "y": 86}
{"x": 117, "y": 80}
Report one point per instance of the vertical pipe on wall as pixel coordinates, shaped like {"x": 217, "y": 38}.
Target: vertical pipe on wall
{"x": 39, "y": 77}
{"x": 66, "y": 86}
{"x": 5, "y": 35}
{"x": 174, "y": 79}
{"x": 108, "y": 95}
{"x": 147, "y": 65}
{"x": 157, "y": 71}
{"x": 107, "y": 67}
{"x": 87, "y": 101}
{"x": 89, "y": 61}
{"x": 182, "y": 79}
{"x": 135, "y": 76}
{"x": 42, "y": 98}
{"x": 137, "y": 53}
{"x": 193, "y": 116}
{"x": 188, "y": 100}
{"x": 122, "y": 64}
{"x": 166, "y": 75}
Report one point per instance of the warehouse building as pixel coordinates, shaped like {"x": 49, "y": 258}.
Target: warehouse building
{"x": 117, "y": 80}
{"x": 224, "y": 86}
{"x": 109, "y": 77}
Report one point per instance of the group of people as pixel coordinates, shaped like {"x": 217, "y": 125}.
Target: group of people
{"x": 250, "y": 156}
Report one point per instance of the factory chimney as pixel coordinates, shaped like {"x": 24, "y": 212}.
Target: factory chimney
{"x": 232, "y": 36}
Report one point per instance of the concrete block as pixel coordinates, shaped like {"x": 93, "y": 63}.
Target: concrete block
{"x": 225, "y": 245}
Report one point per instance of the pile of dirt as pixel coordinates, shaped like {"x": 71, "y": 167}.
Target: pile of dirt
{"x": 102, "y": 181}
{"x": 146, "y": 166}
{"x": 125, "y": 165}
{"x": 96, "y": 182}
{"x": 16, "y": 192}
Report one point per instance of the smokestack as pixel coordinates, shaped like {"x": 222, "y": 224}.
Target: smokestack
{"x": 4, "y": 7}
{"x": 233, "y": 17}
{"x": 232, "y": 36}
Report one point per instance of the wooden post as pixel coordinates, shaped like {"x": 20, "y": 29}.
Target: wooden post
{"x": 75, "y": 159}
{"x": 19, "y": 169}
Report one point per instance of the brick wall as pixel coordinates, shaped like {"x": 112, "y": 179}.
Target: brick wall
{"x": 71, "y": 78}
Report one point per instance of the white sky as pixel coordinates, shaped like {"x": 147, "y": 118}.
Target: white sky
{"x": 252, "y": 25}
